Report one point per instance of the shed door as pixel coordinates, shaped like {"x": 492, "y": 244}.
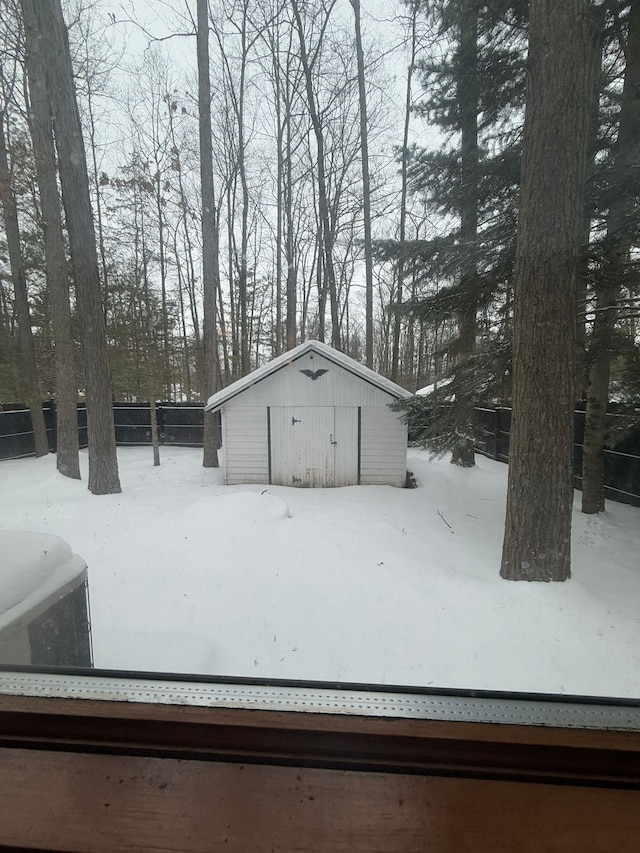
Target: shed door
{"x": 302, "y": 448}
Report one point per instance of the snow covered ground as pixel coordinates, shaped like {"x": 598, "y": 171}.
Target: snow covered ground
{"x": 362, "y": 584}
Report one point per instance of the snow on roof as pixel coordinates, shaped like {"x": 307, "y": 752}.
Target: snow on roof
{"x": 218, "y": 400}
{"x": 429, "y": 389}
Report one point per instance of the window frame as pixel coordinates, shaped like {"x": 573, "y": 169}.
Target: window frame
{"x": 471, "y": 734}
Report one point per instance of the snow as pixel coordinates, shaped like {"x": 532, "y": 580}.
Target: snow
{"x": 361, "y": 584}
{"x": 429, "y": 389}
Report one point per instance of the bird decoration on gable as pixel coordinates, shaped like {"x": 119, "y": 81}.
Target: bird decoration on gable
{"x": 314, "y": 374}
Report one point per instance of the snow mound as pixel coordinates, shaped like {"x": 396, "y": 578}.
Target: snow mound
{"x": 254, "y": 506}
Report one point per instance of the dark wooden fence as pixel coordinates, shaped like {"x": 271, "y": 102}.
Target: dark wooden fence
{"x": 181, "y": 424}
{"x": 621, "y": 466}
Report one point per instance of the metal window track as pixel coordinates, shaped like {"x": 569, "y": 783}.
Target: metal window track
{"x": 454, "y": 706}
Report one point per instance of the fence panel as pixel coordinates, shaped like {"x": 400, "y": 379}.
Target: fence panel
{"x": 16, "y": 431}
{"x": 181, "y": 425}
{"x": 621, "y": 465}
{"x": 132, "y": 423}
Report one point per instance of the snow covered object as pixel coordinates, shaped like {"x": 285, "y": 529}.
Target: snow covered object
{"x": 43, "y": 601}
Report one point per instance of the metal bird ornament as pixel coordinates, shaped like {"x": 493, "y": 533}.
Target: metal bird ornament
{"x": 314, "y": 374}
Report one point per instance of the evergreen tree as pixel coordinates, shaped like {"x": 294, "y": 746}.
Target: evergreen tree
{"x": 475, "y": 93}
{"x": 614, "y": 274}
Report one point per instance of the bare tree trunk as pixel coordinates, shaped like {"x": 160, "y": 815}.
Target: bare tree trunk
{"x": 150, "y": 356}
{"x": 327, "y": 237}
{"x": 582, "y": 282}
{"x": 233, "y": 306}
{"x": 67, "y": 456}
{"x": 366, "y": 189}
{"x": 51, "y": 29}
{"x": 562, "y": 54}
{"x": 186, "y": 386}
{"x": 29, "y": 370}
{"x": 468, "y": 100}
{"x": 190, "y": 271}
{"x": 166, "y": 357}
{"x": 243, "y": 272}
{"x": 279, "y": 203}
{"x": 289, "y": 243}
{"x": 395, "y": 350}
{"x": 292, "y": 272}
{"x": 99, "y": 221}
{"x": 224, "y": 342}
{"x": 617, "y": 255}
{"x": 209, "y": 238}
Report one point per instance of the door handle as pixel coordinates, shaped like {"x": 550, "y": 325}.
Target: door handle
{"x": 331, "y": 441}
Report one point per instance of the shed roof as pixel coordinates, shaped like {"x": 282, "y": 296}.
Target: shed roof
{"x": 218, "y": 400}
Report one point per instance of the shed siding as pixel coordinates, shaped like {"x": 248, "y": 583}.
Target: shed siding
{"x": 379, "y": 460}
{"x": 289, "y": 387}
{"x": 383, "y": 447}
{"x": 246, "y": 445}
{"x": 346, "y": 448}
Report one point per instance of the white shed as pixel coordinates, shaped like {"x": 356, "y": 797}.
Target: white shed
{"x": 312, "y": 417}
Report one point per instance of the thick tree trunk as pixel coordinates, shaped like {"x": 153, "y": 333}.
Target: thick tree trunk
{"x": 29, "y": 370}
{"x": 99, "y": 220}
{"x": 209, "y": 239}
{"x": 617, "y": 255}
{"x": 67, "y": 456}
{"x": 562, "y": 50}
{"x": 468, "y": 100}
{"x": 103, "y": 462}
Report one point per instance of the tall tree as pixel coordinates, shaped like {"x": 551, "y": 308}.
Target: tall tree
{"x": 366, "y": 186}
{"x": 473, "y": 77}
{"x": 326, "y": 269}
{"x": 468, "y": 97}
{"x": 29, "y": 370}
{"x": 52, "y": 32}
{"x": 209, "y": 236}
{"x": 563, "y": 39}
{"x": 398, "y": 296}
{"x": 67, "y": 457}
{"x": 237, "y": 93}
{"x": 621, "y": 224}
